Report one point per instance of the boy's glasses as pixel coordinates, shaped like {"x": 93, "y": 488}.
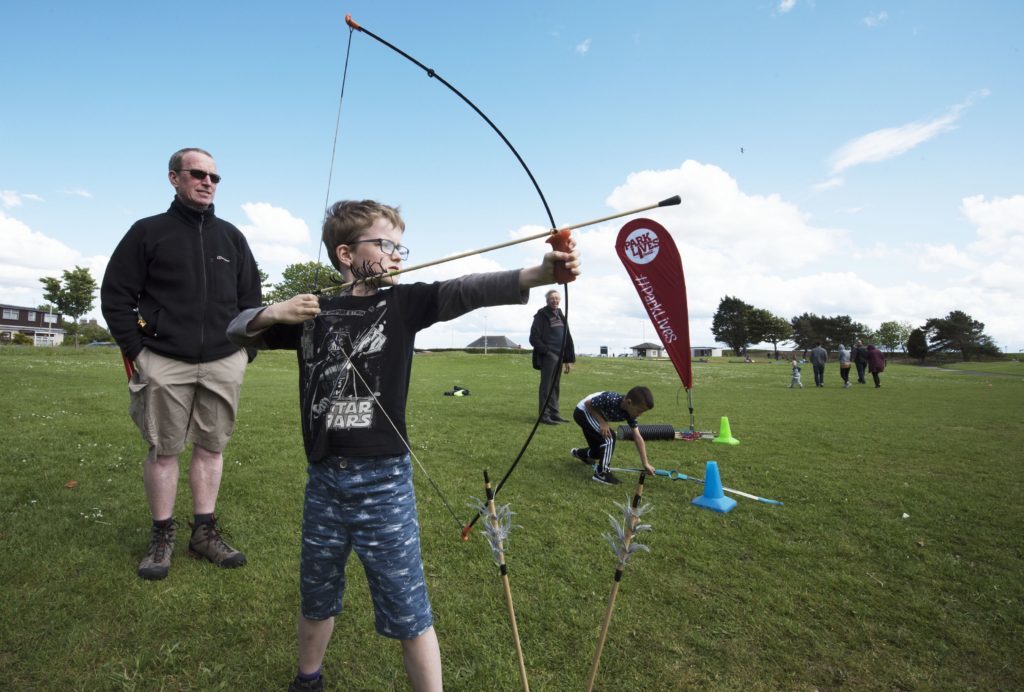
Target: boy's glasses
{"x": 200, "y": 174}
{"x": 386, "y": 246}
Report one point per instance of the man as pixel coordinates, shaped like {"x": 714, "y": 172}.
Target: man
{"x": 171, "y": 287}
{"x": 819, "y": 356}
{"x": 546, "y": 336}
{"x": 860, "y": 359}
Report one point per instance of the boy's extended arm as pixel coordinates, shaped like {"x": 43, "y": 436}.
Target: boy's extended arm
{"x": 641, "y": 447}
{"x": 247, "y": 327}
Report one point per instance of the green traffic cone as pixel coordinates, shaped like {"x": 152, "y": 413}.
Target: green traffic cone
{"x": 725, "y": 435}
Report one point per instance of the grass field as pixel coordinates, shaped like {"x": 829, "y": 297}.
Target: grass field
{"x": 895, "y": 564}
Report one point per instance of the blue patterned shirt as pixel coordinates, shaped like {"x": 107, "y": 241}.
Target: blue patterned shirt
{"x": 609, "y": 405}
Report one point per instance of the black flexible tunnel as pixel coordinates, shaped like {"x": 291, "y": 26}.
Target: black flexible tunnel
{"x": 650, "y": 432}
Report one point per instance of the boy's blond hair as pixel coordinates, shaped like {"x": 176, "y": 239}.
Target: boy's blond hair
{"x": 347, "y": 219}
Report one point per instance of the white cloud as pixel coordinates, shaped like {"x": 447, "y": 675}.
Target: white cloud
{"x": 26, "y": 256}
{"x": 829, "y": 184}
{"x": 584, "y": 47}
{"x": 890, "y": 142}
{"x": 786, "y": 5}
{"x": 873, "y": 20}
{"x": 11, "y": 198}
{"x": 78, "y": 192}
{"x": 766, "y": 251}
{"x": 940, "y": 257}
{"x": 275, "y": 237}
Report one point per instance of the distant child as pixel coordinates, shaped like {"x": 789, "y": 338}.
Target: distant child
{"x": 355, "y": 354}
{"x": 795, "y": 380}
{"x": 593, "y": 415}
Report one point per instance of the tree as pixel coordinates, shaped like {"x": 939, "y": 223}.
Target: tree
{"x": 807, "y": 330}
{"x": 729, "y": 324}
{"x": 265, "y": 284}
{"x": 93, "y": 332}
{"x": 893, "y": 335}
{"x": 303, "y": 277}
{"x": 958, "y": 331}
{"x": 74, "y": 297}
{"x": 841, "y": 329}
{"x": 768, "y": 328}
{"x": 917, "y": 344}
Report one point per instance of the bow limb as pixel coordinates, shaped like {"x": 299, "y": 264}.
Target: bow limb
{"x": 354, "y": 26}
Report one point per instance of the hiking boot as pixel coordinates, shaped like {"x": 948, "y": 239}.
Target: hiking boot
{"x": 207, "y": 542}
{"x": 606, "y": 477}
{"x": 158, "y": 556}
{"x": 300, "y": 685}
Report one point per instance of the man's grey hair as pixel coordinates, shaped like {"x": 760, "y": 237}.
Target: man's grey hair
{"x": 177, "y": 157}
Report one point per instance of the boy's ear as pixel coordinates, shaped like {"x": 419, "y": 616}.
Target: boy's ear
{"x": 344, "y": 255}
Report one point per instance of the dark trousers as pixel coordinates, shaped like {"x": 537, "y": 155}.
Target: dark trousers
{"x": 549, "y": 368}
{"x": 600, "y": 448}
{"x": 819, "y": 375}
{"x": 845, "y": 374}
{"x": 878, "y": 382}
{"x": 860, "y": 372}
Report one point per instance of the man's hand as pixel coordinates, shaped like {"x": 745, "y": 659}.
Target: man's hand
{"x": 568, "y": 368}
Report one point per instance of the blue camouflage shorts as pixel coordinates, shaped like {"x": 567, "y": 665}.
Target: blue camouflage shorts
{"x": 366, "y": 504}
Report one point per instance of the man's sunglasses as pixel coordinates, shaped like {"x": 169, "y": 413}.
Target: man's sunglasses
{"x": 200, "y": 174}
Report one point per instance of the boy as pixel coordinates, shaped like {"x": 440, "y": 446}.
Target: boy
{"x": 593, "y": 415}
{"x": 355, "y": 361}
{"x": 794, "y": 381}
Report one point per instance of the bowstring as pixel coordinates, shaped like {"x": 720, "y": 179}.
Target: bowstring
{"x": 316, "y": 288}
{"x": 394, "y": 427}
{"x": 330, "y": 170}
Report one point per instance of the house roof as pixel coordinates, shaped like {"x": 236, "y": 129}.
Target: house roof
{"x": 493, "y": 341}
{"x": 648, "y": 345}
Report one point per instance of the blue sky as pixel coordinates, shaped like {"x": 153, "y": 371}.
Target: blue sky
{"x": 858, "y": 158}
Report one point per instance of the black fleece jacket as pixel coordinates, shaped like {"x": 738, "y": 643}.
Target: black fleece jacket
{"x": 187, "y": 274}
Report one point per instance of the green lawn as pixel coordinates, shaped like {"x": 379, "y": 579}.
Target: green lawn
{"x": 895, "y": 563}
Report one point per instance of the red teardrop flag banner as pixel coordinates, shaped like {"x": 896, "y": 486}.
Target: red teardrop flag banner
{"x": 652, "y": 262}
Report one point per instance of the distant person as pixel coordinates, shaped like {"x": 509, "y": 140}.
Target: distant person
{"x": 171, "y": 287}
{"x": 876, "y": 363}
{"x": 844, "y": 365}
{"x": 594, "y": 413}
{"x": 819, "y": 356}
{"x": 794, "y": 380}
{"x": 860, "y": 359}
{"x": 546, "y": 334}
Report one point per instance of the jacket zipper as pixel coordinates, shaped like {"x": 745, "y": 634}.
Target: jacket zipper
{"x": 205, "y": 297}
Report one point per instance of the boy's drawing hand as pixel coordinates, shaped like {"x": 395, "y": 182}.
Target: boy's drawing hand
{"x": 295, "y": 310}
{"x": 648, "y": 469}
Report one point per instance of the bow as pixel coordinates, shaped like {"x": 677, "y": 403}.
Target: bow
{"x": 559, "y": 241}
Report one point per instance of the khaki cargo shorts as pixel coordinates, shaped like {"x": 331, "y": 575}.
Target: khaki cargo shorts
{"x": 173, "y": 402}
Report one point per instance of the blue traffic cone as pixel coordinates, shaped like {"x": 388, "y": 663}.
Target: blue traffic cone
{"x": 714, "y": 498}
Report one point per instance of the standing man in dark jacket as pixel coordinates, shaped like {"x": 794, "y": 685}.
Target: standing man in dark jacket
{"x": 546, "y": 337}
{"x": 819, "y": 356}
{"x": 860, "y": 359}
{"x": 171, "y": 287}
